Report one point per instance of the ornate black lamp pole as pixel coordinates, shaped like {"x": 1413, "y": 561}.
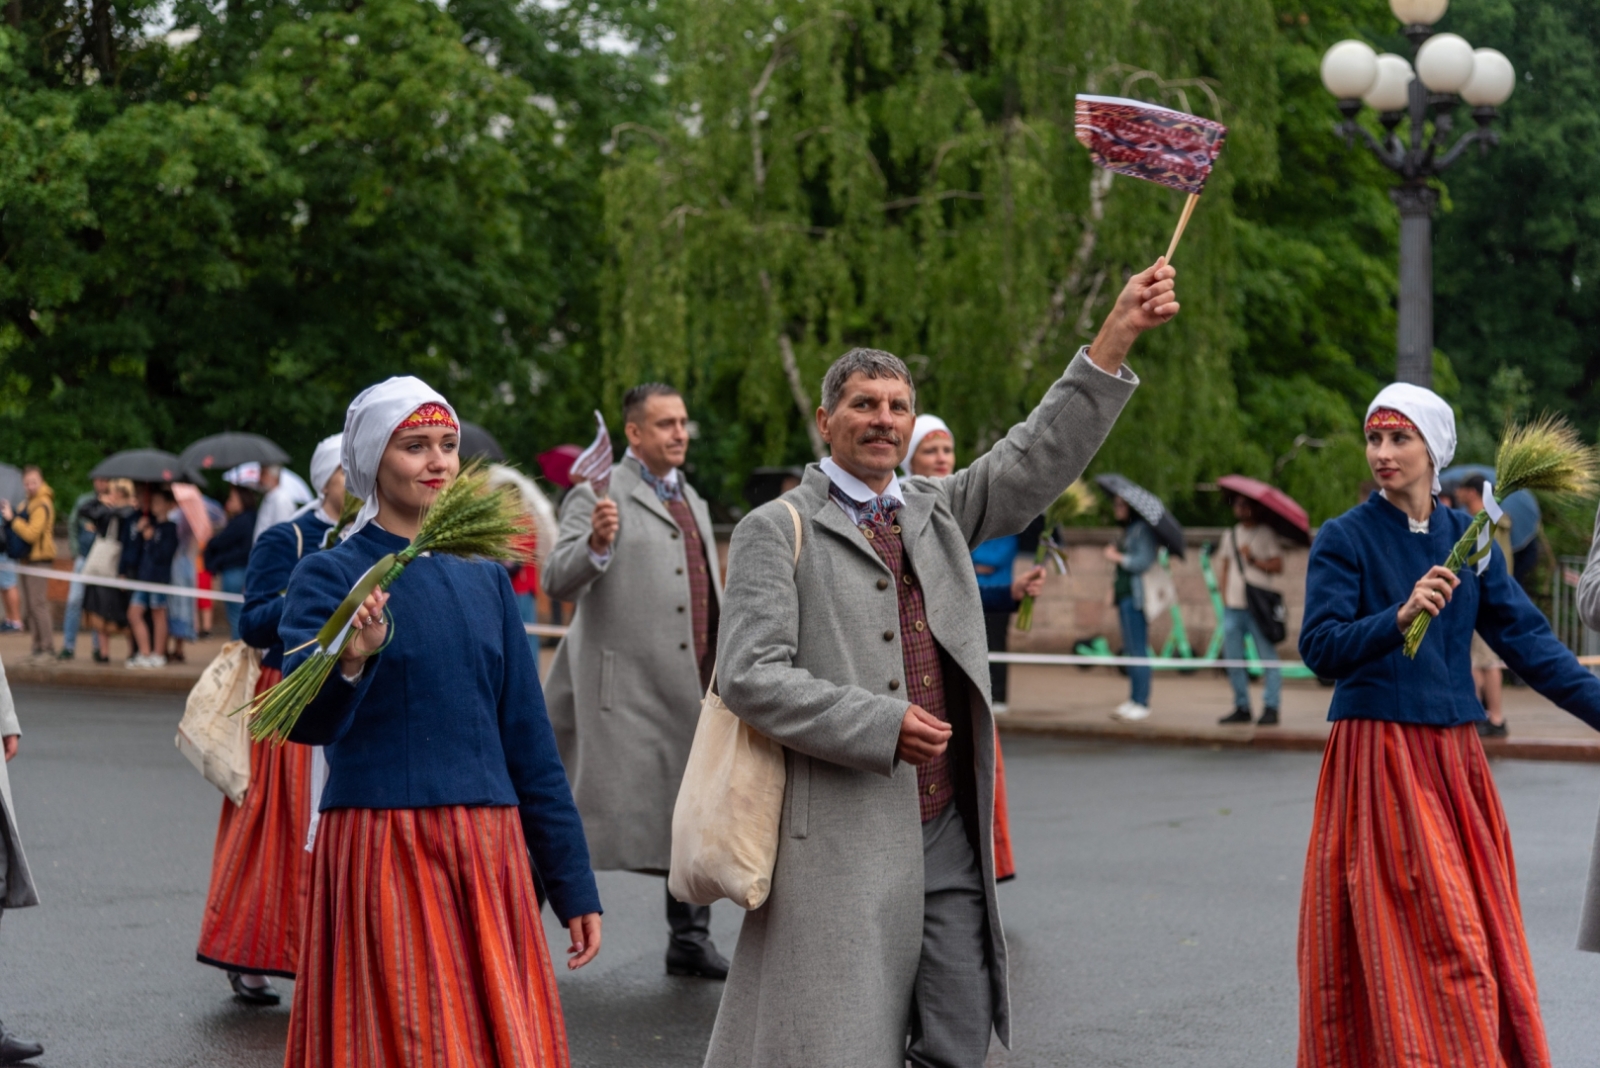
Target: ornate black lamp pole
{"x": 1448, "y": 71}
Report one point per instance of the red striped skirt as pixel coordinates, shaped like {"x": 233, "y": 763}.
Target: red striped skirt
{"x": 424, "y": 947}
{"x": 260, "y": 870}
{"x": 1412, "y": 951}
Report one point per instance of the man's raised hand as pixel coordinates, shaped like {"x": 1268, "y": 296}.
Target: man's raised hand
{"x": 1149, "y": 299}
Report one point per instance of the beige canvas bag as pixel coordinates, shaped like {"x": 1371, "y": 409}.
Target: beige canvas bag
{"x": 730, "y": 803}
{"x": 216, "y": 743}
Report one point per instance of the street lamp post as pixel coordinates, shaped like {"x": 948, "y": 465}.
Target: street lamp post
{"x": 1448, "y": 71}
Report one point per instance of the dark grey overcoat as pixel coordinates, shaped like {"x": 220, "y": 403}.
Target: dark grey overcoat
{"x": 810, "y": 656}
{"x": 624, "y": 689}
{"x": 1589, "y": 610}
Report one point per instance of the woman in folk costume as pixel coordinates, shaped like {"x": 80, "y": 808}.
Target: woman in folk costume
{"x": 423, "y": 943}
{"x": 932, "y": 454}
{"x": 260, "y": 870}
{"x": 1412, "y": 950}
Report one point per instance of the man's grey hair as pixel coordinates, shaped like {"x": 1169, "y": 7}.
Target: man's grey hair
{"x": 874, "y": 363}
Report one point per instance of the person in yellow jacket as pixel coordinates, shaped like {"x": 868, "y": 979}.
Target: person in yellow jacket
{"x": 35, "y": 525}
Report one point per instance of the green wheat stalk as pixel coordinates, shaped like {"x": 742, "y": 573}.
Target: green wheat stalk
{"x": 1547, "y": 456}
{"x": 1069, "y": 504}
{"x": 468, "y": 518}
{"x": 347, "y": 515}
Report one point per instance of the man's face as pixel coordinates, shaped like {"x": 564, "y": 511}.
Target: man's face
{"x": 869, "y": 430}
{"x": 1470, "y": 499}
{"x": 659, "y": 436}
{"x": 31, "y": 482}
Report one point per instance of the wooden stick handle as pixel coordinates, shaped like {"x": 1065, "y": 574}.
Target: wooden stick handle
{"x": 1183, "y": 221}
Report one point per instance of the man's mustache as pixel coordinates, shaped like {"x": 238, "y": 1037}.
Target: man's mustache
{"x": 873, "y": 439}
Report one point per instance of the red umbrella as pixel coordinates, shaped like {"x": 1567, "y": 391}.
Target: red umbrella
{"x": 1283, "y": 511}
{"x": 557, "y": 464}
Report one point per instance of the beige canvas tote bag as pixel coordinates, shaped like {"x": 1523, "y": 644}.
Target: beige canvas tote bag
{"x": 215, "y": 742}
{"x": 725, "y": 824}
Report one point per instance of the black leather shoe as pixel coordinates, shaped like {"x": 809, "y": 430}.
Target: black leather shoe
{"x": 1269, "y": 718}
{"x": 14, "y": 1050}
{"x": 1238, "y": 715}
{"x": 1491, "y": 730}
{"x": 700, "y": 961}
{"x": 253, "y": 995}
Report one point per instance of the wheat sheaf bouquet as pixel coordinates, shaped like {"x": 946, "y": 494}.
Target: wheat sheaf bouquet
{"x": 1546, "y": 456}
{"x": 467, "y": 519}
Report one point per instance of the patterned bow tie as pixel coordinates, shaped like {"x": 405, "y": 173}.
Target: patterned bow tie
{"x": 665, "y": 490}
{"x": 879, "y": 512}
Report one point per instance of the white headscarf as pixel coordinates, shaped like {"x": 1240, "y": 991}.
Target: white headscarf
{"x": 325, "y": 462}
{"x": 1435, "y": 420}
{"x": 925, "y": 425}
{"x": 368, "y": 425}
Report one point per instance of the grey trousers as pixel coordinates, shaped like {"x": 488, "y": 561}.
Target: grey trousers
{"x": 952, "y": 1006}
{"x": 1589, "y": 924}
{"x": 36, "y": 610}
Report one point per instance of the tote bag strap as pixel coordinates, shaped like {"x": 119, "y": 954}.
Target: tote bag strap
{"x": 798, "y": 535}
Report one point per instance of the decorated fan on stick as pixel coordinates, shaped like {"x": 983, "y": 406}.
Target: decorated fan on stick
{"x": 1148, "y": 141}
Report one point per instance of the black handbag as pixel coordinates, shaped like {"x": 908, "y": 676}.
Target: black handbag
{"x": 16, "y": 548}
{"x": 1266, "y": 607}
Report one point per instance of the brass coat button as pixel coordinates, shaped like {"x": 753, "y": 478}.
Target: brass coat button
{"x": 888, "y": 635}
{"x": 679, "y": 571}
{"x": 883, "y": 584}
{"x": 921, "y": 625}
{"x": 933, "y": 788}
{"x": 674, "y": 535}
{"x": 906, "y": 579}
{"x": 680, "y": 608}
{"x": 894, "y": 684}
{"x": 895, "y": 529}
{"x": 927, "y": 680}
{"x": 867, "y": 533}
{"x": 683, "y": 645}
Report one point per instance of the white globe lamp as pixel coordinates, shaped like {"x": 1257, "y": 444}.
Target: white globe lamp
{"x": 1444, "y": 63}
{"x": 1391, "y": 91}
{"x": 1418, "y": 12}
{"x": 1349, "y": 68}
{"x": 1493, "y": 79}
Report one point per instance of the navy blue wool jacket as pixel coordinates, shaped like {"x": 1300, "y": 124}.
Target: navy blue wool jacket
{"x": 230, "y": 547}
{"x": 154, "y": 553}
{"x": 266, "y": 579}
{"x": 1362, "y": 569}
{"x": 449, "y": 713}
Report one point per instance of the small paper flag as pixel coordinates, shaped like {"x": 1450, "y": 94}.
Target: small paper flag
{"x": 593, "y": 464}
{"x": 1149, "y": 141}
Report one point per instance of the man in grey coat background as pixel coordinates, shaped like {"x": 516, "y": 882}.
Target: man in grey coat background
{"x": 16, "y": 882}
{"x": 625, "y": 687}
{"x": 880, "y": 942}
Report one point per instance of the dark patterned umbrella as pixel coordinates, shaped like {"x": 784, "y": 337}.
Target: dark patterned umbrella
{"x": 1149, "y": 508}
{"x": 219, "y": 452}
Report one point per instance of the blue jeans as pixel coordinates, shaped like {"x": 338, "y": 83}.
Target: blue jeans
{"x": 1135, "y": 642}
{"x": 1236, "y": 623}
{"x": 73, "y": 622}
{"x": 232, "y": 581}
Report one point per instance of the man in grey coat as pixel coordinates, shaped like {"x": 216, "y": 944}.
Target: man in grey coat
{"x": 625, "y": 687}
{"x": 16, "y": 882}
{"x": 1589, "y": 612}
{"x": 880, "y": 942}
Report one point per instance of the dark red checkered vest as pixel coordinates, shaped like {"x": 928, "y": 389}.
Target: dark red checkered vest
{"x": 702, "y": 600}
{"x": 923, "y": 662}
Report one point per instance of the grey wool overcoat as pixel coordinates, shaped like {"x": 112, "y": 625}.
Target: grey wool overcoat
{"x": 20, "y": 892}
{"x": 810, "y": 656}
{"x": 1589, "y": 611}
{"x": 624, "y": 689}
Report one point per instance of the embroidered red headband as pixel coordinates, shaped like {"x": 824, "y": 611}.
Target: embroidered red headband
{"x": 430, "y": 414}
{"x": 1389, "y": 419}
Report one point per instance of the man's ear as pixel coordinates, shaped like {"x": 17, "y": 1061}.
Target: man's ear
{"x": 822, "y": 425}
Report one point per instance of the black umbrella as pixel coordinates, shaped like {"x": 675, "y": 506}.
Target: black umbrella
{"x": 11, "y": 485}
{"x": 1150, "y": 509}
{"x": 477, "y": 443}
{"x": 141, "y": 465}
{"x": 219, "y": 452}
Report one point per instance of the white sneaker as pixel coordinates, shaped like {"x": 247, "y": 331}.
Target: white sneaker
{"x": 161, "y": 662}
{"x": 134, "y": 662}
{"x": 1131, "y": 712}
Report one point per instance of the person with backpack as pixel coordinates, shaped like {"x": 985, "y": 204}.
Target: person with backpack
{"x": 1249, "y": 554}
{"x": 29, "y": 539}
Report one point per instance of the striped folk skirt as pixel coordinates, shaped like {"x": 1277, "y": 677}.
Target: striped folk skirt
{"x": 260, "y": 870}
{"x": 423, "y": 946}
{"x": 1412, "y": 951}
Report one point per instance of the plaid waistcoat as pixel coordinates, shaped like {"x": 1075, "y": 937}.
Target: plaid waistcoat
{"x": 923, "y": 661}
{"x": 702, "y": 603}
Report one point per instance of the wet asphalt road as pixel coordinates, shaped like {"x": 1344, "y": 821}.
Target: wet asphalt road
{"x": 1153, "y": 923}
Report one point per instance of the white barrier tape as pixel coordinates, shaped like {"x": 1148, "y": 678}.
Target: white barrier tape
{"x": 546, "y": 630}
{"x": 123, "y": 584}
